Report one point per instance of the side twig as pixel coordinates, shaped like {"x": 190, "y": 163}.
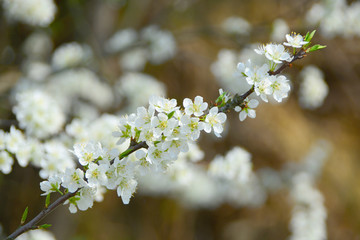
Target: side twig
{"x": 33, "y": 224}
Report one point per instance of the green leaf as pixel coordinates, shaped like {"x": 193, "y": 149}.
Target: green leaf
{"x": 24, "y": 216}
{"x": 47, "y": 201}
{"x": 171, "y": 114}
{"x": 308, "y": 37}
{"x": 44, "y": 226}
{"x": 316, "y": 47}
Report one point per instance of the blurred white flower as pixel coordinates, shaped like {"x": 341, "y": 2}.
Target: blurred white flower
{"x": 121, "y": 40}
{"x": 313, "y": 88}
{"x": 280, "y": 28}
{"x": 38, "y": 113}
{"x": 236, "y": 25}
{"x": 33, "y": 12}
{"x": 70, "y": 55}
{"x": 38, "y": 234}
{"x": 162, "y": 45}
{"x": 137, "y": 88}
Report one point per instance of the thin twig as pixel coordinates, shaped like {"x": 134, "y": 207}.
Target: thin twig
{"x": 33, "y": 224}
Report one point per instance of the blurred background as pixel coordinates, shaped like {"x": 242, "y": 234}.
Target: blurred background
{"x": 280, "y": 135}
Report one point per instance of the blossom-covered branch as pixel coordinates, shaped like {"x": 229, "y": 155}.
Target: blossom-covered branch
{"x": 157, "y": 134}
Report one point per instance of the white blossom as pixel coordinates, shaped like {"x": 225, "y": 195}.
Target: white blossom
{"x": 163, "y": 105}
{"x": 277, "y": 53}
{"x": 247, "y": 109}
{"x": 294, "y": 40}
{"x": 197, "y": 107}
{"x": 87, "y": 152}
{"x": 280, "y": 87}
{"x": 73, "y": 179}
{"x": 126, "y": 189}
{"x": 96, "y": 174}
{"x": 215, "y": 120}
{"x": 51, "y": 185}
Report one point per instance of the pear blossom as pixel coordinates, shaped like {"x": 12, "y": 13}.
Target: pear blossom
{"x": 163, "y": 105}
{"x": 294, "y": 40}
{"x": 96, "y": 174}
{"x": 197, "y": 107}
{"x": 144, "y": 116}
{"x": 51, "y": 185}
{"x": 255, "y": 74}
{"x": 277, "y": 53}
{"x": 126, "y": 189}
{"x": 263, "y": 89}
{"x": 126, "y": 128}
{"x": 215, "y": 120}
{"x": 73, "y": 179}
{"x": 280, "y": 87}
{"x": 163, "y": 125}
{"x": 191, "y": 126}
{"x": 247, "y": 109}
{"x": 87, "y": 195}
{"x": 87, "y": 153}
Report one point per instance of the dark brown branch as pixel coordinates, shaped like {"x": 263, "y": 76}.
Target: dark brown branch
{"x": 33, "y": 224}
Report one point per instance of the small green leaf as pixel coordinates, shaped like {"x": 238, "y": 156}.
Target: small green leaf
{"x": 308, "y": 37}
{"x": 171, "y": 114}
{"x": 24, "y": 216}
{"x": 44, "y": 226}
{"x": 47, "y": 201}
{"x": 311, "y": 35}
{"x": 315, "y": 47}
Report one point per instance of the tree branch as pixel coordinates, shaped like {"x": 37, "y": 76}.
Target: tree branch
{"x": 32, "y": 224}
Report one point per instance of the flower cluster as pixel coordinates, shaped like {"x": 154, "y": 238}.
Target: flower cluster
{"x": 38, "y": 113}
{"x": 52, "y": 156}
{"x": 163, "y": 129}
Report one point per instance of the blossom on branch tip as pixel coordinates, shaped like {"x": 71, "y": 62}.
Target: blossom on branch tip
{"x": 294, "y": 40}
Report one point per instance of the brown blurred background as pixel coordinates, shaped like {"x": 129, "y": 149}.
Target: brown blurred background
{"x": 279, "y": 134}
